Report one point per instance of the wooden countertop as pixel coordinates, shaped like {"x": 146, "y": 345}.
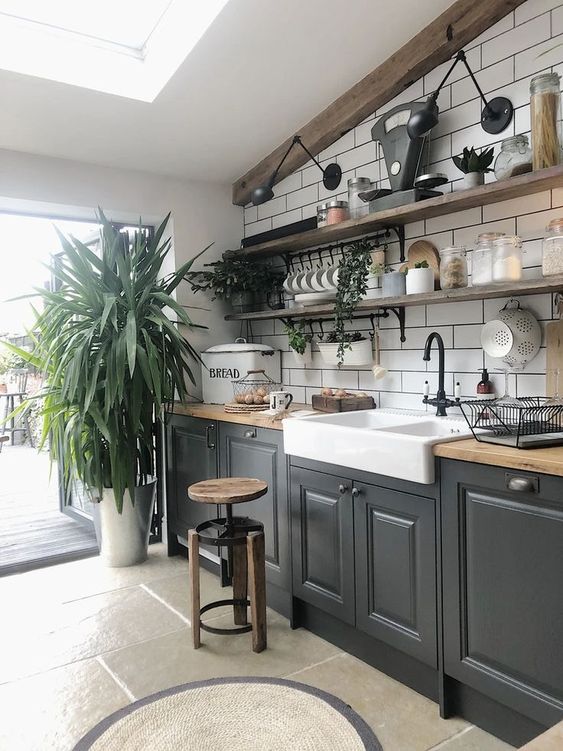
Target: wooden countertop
{"x": 549, "y": 461}
{"x": 216, "y": 412}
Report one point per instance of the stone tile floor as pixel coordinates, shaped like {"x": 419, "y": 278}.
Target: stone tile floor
{"x": 78, "y": 641}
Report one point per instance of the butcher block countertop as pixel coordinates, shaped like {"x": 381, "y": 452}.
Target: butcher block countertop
{"x": 216, "y": 412}
{"x": 548, "y": 461}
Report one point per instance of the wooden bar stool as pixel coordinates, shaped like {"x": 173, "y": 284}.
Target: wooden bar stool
{"x": 244, "y": 539}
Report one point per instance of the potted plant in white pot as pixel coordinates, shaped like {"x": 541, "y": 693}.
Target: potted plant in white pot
{"x": 300, "y": 344}
{"x": 348, "y": 348}
{"x": 420, "y": 279}
{"x": 112, "y": 358}
{"x": 474, "y": 165}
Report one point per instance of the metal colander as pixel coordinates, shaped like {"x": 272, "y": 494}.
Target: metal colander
{"x": 514, "y": 336}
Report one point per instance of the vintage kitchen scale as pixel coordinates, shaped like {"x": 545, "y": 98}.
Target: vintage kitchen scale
{"x": 404, "y": 160}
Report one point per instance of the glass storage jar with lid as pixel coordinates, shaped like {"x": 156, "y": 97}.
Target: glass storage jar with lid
{"x": 552, "y": 249}
{"x": 356, "y": 206}
{"x": 482, "y": 258}
{"x": 322, "y": 212}
{"x": 515, "y": 158}
{"x": 545, "y": 113}
{"x": 507, "y": 259}
{"x": 453, "y": 268}
{"x": 337, "y": 211}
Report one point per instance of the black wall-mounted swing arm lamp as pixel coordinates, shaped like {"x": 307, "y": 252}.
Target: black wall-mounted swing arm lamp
{"x": 332, "y": 174}
{"x": 495, "y": 117}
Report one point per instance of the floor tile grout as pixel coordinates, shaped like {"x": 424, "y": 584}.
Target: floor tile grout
{"x": 122, "y": 685}
{"x": 162, "y": 601}
{"x": 314, "y": 665}
{"x": 443, "y": 744}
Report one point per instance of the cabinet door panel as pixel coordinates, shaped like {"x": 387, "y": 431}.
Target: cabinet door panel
{"x": 323, "y": 543}
{"x": 257, "y": 452}
{"x": 190, "y": 459}
{"x": 503, "y": 593}
{"x": 396, "y": 570}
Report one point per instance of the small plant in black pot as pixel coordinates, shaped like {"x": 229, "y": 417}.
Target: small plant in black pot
{"x": 474, "y": 165}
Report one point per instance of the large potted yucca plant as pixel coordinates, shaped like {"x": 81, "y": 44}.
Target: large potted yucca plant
{"x": 109, "y": 347}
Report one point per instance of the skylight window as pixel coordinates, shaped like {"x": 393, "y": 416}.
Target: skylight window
{"x": 126, "y": 47}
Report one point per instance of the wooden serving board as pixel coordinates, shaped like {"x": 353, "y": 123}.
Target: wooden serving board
{"x": 554, "y": 355}
{"x": 423, "y": 250}
{"x": 342, "y": 403}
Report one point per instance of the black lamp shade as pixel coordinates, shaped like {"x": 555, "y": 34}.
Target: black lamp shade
{"x": 261, "y": 194}
{"x": 422, "y": 122}
{"x": 332, "y": 175}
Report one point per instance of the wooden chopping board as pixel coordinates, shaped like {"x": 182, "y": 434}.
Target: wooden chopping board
{"x": 554, "y": 355}
{"x": 423, "y": 250}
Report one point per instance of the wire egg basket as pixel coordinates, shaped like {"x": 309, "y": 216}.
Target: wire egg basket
{"x": 254, "y": 388}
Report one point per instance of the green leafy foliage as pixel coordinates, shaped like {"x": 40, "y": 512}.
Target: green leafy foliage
{"x": 347, "y": 337}
{"x": 421, "y": 265}
{"x": 231, "y": 276}
{"x": 471, "y": 161}
{"x": 297, "y": 338}
{"x": 352, "y": 286}
{"x": 111, "y": 355}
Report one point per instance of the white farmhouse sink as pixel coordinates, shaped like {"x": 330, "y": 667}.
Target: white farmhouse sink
{"x": 395, "y": 443}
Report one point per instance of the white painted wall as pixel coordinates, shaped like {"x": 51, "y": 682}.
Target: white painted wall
{"x": 504, "y": 58}
{"x": 202, "y": 213}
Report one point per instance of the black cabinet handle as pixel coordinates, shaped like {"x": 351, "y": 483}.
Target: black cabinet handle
{"x": 355, "y": 492}
{"x": 522, "y": 484}
{"x": 342, "y": 489}
{"x": 208, "y": 430}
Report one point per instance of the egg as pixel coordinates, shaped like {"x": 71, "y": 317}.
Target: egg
{"x": 261, "y": 391}
{"x": 258, "y": 399}
{"x": 239, "y": 398}
{"x": 361, "y": 393}
{"x": 340, "y": 393}
{"x": 327, "y": 392}
{"x": 266, "y": 399}
{"x": 249, "y": 399}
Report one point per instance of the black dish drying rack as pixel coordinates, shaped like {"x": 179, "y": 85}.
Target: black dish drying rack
{"x": 532, "y": 423}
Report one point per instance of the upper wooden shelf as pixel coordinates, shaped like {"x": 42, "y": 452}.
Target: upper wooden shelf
{"x": 514, "y": 289}
{"x": 503, "y": 190}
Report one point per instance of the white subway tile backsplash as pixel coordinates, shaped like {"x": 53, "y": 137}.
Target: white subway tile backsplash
{"x": 517, "y": 39}
{"x": 503, "y": 58}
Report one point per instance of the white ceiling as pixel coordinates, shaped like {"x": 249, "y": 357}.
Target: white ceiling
{"x": 262, "y": 70}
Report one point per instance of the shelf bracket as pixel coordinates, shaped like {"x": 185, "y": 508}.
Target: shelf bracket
{"x": 399, "y": 230}
{"x": 400, "y": 313}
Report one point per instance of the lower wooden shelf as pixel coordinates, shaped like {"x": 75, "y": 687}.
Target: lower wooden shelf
{"x": 326, "y": 310}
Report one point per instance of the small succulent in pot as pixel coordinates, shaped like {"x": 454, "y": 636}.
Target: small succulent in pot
{"x": 474, "y": 165}
{"x": 420, "y": 278}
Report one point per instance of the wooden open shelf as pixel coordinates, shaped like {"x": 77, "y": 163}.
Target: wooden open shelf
{"x": 502, "y": 190}
{"x": 514, "y": 289}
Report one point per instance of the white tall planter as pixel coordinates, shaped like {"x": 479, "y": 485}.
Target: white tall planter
{"x": 359, "y": 353}
{"x": 420, "y": 281}
{"x": 304, "y": 360}
{"x": 123, "y": 538}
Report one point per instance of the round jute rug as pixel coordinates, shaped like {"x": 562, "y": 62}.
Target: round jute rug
{"x": 234, "y": 714}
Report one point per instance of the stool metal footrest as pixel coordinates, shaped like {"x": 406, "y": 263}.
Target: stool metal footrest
{"x": 227, "y": 531}
{"x": 218, "y": 604}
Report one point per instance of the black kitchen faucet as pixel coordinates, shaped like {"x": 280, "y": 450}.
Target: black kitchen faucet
{"x": 441, "y": 402}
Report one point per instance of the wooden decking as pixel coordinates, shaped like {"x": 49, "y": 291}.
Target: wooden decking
{"x": 33, "y": 531}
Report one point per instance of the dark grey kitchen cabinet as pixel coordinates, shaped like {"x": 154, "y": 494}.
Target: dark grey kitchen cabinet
{"x": 323, "y": 542}
{"x": 247, "y": 451}
{"x": 191, "y": 455}
{"x": 502, "y": 537}
{"x": 396, "y": 569}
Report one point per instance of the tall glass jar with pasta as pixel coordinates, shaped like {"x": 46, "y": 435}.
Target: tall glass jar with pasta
{"x": 545, "y": 111}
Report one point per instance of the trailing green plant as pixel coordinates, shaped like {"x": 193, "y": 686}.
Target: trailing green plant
{"x": 347, "y": 337}
{"x": 352, "y": 286}
{"x": 230, "y": 276}
{"x": 297, "y": 338}
{"x": 111, "y": 355}
{"x": 471, "y": 161}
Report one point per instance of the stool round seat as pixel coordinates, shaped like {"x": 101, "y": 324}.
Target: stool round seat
{"x": 227, "y": 490}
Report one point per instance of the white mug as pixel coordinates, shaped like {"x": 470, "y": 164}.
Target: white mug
{"x": 280, "y": 400}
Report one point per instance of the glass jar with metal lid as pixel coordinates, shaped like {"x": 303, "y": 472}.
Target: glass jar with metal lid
{"x": 515, "y": 157}
{"x": 356, "y": 206}
{"x": 482, "y": 258}
{"x": 507, "y": 259}
{"x": 552, "y": 248}
{"x": 545, "y": 114}
{"x": 322, "y": 212}
{"x": 337, "y": 211}
{"x": 453, "y": 268}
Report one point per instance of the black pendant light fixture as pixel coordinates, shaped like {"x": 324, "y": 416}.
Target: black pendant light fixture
{"x": 332, "y": 174}
{"x": 495, "y": 117}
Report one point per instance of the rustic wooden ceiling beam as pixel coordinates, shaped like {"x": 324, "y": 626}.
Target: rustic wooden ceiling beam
{"x": 436, "y": 43}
